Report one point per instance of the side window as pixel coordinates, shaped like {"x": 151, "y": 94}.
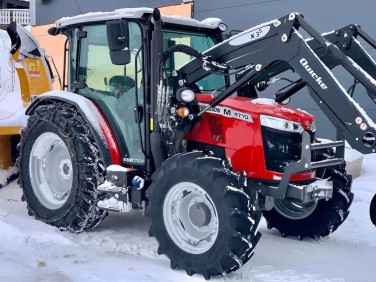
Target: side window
{"x": 199, "y": 42}
{"x": 113, "y": 86}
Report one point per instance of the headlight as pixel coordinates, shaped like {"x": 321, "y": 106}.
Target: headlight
{"x": 185, "y": 95}
{"x": 281, "y": 124}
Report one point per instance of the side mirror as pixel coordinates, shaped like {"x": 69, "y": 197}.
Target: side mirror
{"x": 118, "y": 42}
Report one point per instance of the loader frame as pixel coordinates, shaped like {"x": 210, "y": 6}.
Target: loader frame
{"x": 294, "y": 52}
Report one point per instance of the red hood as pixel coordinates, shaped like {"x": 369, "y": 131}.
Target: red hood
{"x": 263, "y": 106}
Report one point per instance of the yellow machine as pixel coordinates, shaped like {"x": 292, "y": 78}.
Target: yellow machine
{"x": 35, "y": 77}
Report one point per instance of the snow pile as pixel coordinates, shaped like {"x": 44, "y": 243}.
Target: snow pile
{"x": 264, "y": 101}
{"x": 352, "y": 155}
{"x": 5, "y": 42}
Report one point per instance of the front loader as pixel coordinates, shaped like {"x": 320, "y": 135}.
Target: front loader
{"x": 152, "y": 119}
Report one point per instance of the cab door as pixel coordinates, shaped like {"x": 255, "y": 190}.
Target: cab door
{"x": 112, "y": 87}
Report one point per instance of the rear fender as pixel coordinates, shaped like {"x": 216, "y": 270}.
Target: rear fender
{"x": 102, "y": 133}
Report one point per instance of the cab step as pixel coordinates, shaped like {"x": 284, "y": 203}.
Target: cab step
{"x": 109, "y": 188}
{"x": 114, "y": 205}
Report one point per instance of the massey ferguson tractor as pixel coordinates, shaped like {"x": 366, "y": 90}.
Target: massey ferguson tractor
{"x": 164, "y": 115}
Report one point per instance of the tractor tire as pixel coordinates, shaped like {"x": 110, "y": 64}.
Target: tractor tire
{"x": 60, "y": 168}
{"x": 372, "y": 210}
{"x": 202, "y": 219}
{"x": 318, "y": 218}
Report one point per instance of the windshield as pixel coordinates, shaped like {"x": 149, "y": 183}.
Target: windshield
{"x": 199, "y": 42}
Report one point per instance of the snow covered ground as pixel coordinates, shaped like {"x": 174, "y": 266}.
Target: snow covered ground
{"x": 120, "y": 249}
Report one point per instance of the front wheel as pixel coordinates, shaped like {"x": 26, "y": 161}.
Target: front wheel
{"x": 317, "y": 218}
{"x": 201, "y": 218}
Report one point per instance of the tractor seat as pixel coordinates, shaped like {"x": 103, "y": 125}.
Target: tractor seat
{"x": 120, "y": 84}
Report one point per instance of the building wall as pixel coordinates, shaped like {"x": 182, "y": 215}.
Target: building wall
{"x": 324, "y": 15}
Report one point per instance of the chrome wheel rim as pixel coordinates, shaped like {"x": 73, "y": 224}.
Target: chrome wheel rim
{"x": 294, "y": 210}
{"x": 51, "y": 170}
{"x": 190, "y": 218}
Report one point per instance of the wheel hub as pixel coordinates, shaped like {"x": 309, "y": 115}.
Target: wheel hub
{"x": 190, "y": 217}
{"x": 199, "y": 214}
{"x": 65, "y": 168}
{"x": 51, "y": 170}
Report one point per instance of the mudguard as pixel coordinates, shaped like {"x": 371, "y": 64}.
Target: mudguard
{"x": 94, "y": 118}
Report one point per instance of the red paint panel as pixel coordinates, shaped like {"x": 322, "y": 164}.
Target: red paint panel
{"x": 242, "y": 139}
{"x": 109, "y": 137}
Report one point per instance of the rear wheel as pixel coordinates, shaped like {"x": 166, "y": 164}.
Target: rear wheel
{"x": 60, "y": 168}
{"x": 317, "y": 218}
{"x": 201, "y": 218}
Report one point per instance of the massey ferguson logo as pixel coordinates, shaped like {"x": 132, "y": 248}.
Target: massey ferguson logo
{"x": 314, "y": 75}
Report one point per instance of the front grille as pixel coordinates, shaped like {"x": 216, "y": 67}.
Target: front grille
{"x": 281, "y": 148}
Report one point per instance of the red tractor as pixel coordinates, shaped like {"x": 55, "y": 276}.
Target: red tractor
{"x": 163, "y": 116}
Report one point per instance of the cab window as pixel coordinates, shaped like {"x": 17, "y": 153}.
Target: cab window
{"x": 199, "y": 42}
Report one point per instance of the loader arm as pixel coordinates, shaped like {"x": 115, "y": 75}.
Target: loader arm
{"x": 273, "y": 47}
{"x": 346, "y": 40}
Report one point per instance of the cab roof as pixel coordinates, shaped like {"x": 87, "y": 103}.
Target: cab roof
{"x": 135, "y": 13}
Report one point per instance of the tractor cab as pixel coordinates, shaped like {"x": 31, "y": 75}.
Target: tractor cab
{"x": 110, "y": 60}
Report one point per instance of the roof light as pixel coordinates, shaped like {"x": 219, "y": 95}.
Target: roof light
{"x": 222, "y": 27}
